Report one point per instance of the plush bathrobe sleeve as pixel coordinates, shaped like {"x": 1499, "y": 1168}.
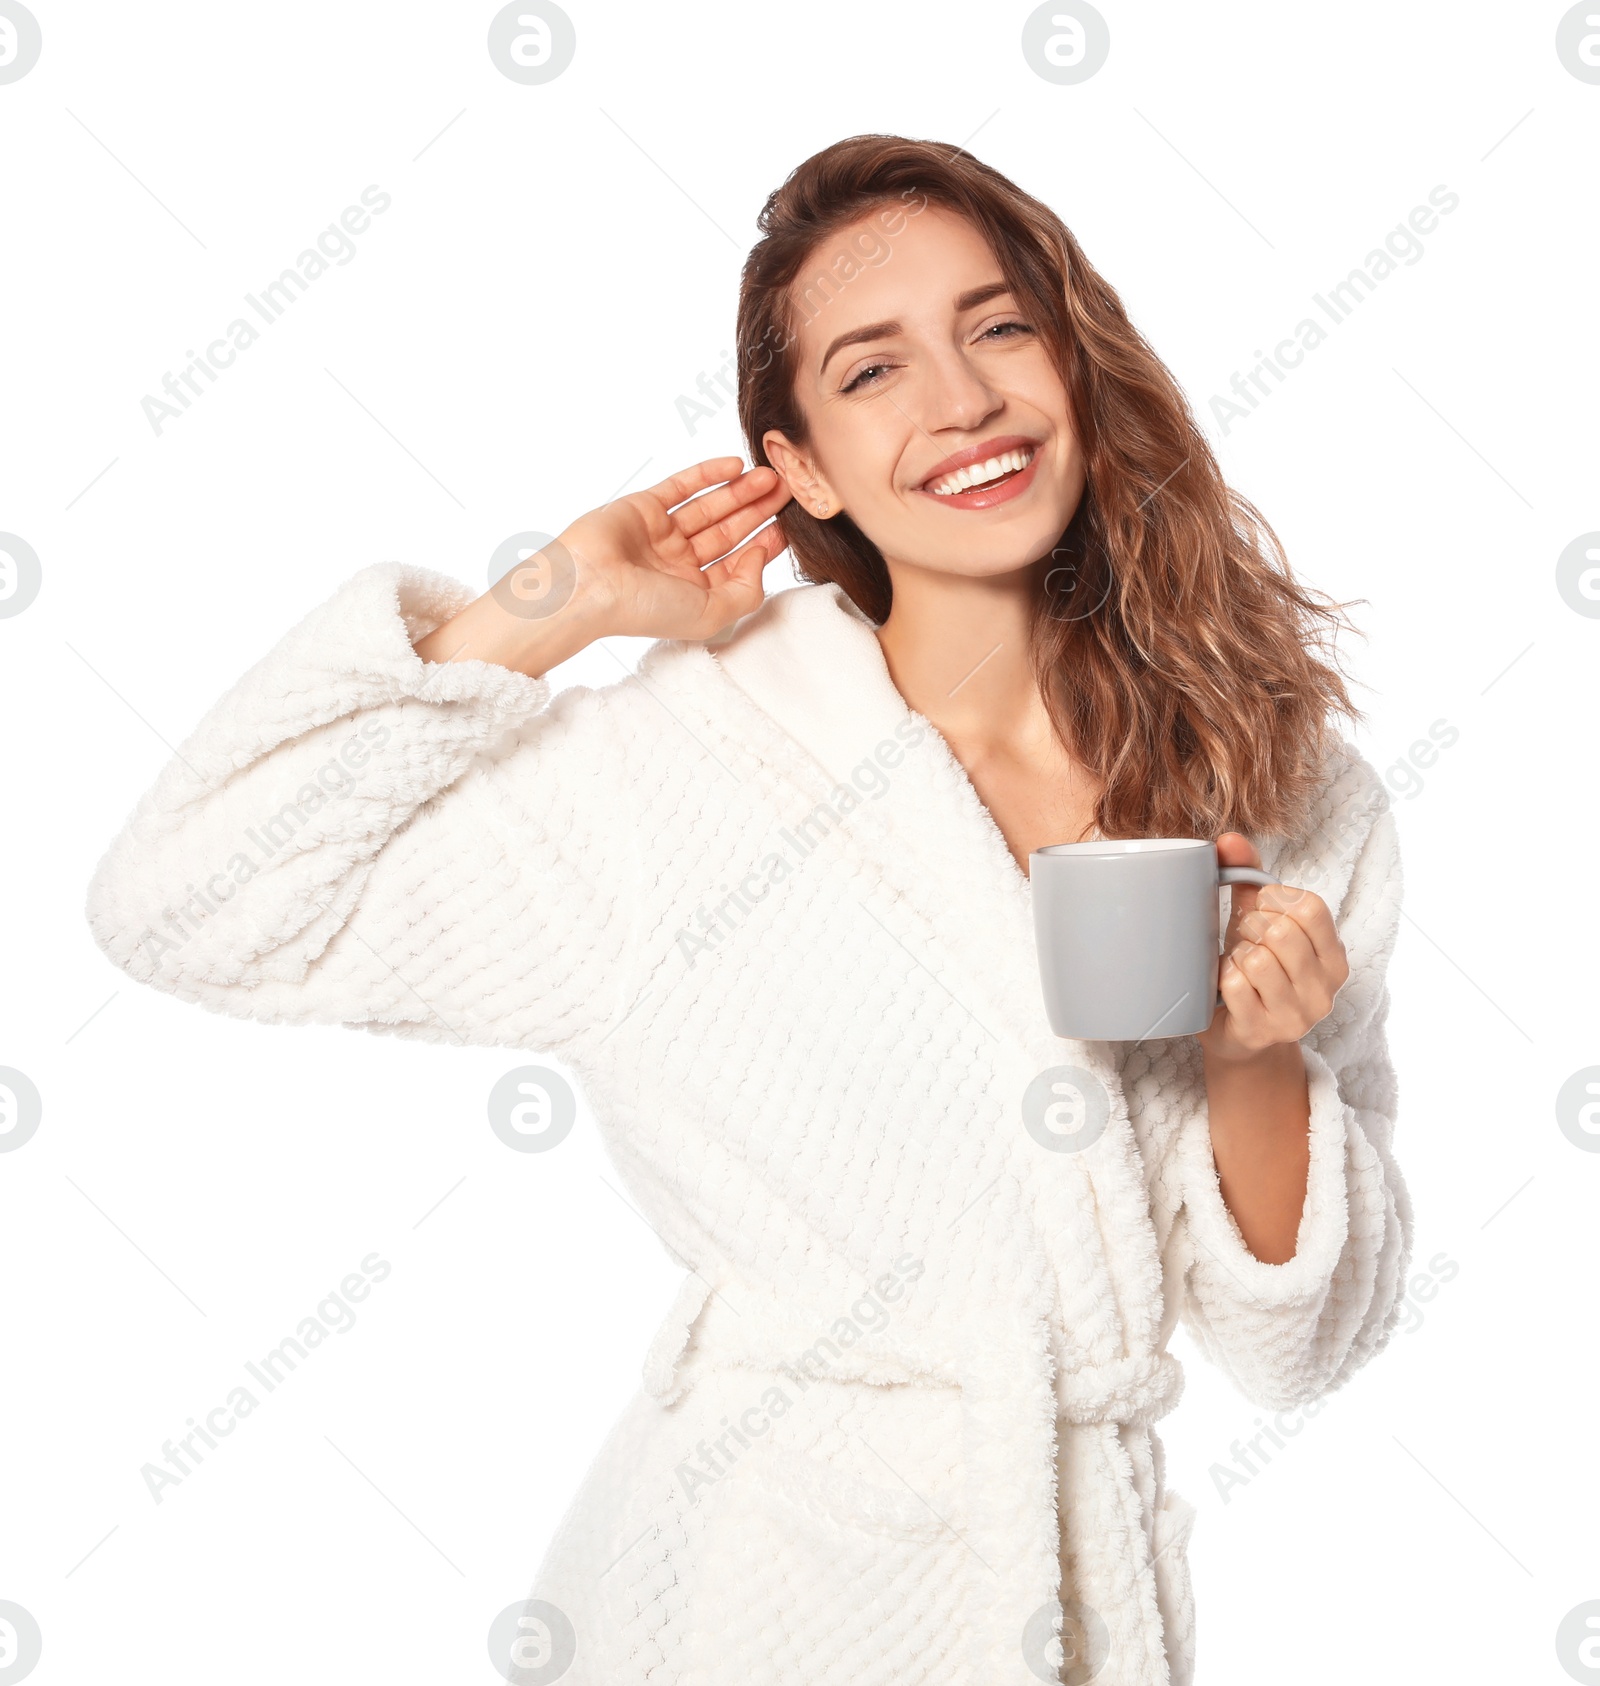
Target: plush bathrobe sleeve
{"x": 352, "y": 835}
{"x": 1288, "y": 1332}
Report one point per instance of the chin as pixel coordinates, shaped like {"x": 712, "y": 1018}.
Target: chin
{"x": 989, "y": 565}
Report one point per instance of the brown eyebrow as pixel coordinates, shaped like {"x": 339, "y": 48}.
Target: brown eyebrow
{"x": 968, "y": 300}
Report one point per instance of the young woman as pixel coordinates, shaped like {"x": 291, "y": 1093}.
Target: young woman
{"x": 769, "y": 900}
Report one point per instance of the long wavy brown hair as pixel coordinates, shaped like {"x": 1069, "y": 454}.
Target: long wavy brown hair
{"x": 1179, "y": 659}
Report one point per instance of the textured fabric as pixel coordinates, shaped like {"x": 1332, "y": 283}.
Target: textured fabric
{"x": 898, "y": 1425}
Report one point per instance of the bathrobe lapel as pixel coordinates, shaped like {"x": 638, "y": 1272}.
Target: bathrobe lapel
{"x": 811, "y": 661}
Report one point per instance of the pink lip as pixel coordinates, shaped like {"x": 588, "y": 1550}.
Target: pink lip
{"x": 986, "y": 497}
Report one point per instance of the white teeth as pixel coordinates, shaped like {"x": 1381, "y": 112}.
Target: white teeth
{"x": 977, "y": 474}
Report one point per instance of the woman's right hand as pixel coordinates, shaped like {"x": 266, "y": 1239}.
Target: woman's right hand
{"x": 651, "y": 564}
{"x": 665, "y": 563}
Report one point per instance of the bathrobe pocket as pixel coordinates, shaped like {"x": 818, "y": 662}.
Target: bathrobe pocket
{"x": 807, "y": 1572}
{"x": 1171, "y": 1526}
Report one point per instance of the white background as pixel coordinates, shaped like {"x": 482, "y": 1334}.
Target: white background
{"x": 505, "y": 350}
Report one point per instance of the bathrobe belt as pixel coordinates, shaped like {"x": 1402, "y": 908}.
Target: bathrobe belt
{"x": 703, "y": 1327}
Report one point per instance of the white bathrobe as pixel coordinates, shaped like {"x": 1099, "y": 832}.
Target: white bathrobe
{"x": 898, "y": 1426}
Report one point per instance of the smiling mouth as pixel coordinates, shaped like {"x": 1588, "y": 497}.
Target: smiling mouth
{"x": 983, "y": 476}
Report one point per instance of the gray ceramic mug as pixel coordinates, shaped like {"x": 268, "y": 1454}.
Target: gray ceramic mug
{"x": 1129, "y": 935}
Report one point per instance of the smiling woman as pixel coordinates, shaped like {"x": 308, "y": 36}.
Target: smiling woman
{"x": 856, "y": 1076}
{"x": 1196, "y": 698}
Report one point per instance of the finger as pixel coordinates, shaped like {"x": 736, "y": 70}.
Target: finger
{"x": 735, "y": 582}
{"x": 767, "y": 543}
{"x": 1240, "y": 997}
{"x": 1235, "y": 849}
{"x": 1310, "y": 912}
{"x": 699, "y": 513}
{"x": 716, "y": 540}
{"x": 1268, "y": 979}
{"x": 676, "y": 487}
{"x": 1288, "y": 940}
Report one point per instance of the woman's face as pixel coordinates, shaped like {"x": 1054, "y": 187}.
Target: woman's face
{"x": 919, "y": 360}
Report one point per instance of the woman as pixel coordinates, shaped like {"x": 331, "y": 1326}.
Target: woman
{"x": 769, "y": 900}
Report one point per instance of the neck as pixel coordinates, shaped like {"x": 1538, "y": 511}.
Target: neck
{"x": 957, "y": 651}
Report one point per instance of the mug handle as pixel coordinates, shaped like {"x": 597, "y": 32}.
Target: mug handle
{"x": 1242, "y": 875}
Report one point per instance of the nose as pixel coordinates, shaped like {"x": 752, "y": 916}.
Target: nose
{"x": 954, "y": 394}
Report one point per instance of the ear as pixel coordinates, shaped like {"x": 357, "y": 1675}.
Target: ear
{"x": 798, "y": 470}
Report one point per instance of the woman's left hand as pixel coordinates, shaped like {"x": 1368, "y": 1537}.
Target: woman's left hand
{"x": 1283, "y": 963}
